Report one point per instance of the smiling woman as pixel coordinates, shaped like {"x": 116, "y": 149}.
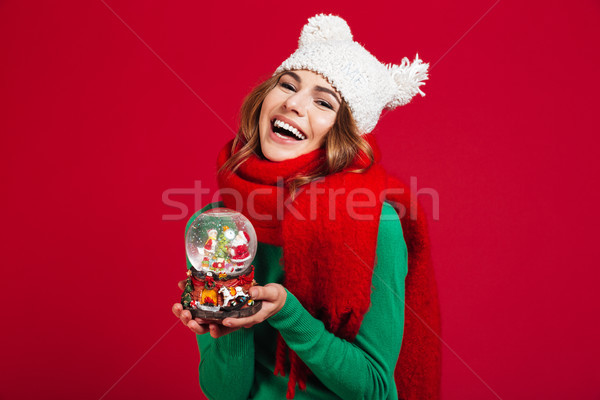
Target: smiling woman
{"x": 332, "y": 319}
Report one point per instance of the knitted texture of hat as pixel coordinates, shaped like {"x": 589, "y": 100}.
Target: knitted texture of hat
{"x": 326, "y": 46}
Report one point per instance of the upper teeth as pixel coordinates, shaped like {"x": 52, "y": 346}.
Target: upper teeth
{"x": 290, "y": 128}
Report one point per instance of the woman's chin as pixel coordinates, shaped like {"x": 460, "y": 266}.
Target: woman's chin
{"x": 272, "y": 153}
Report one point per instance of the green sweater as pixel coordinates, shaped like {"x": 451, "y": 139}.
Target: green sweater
{"x": 240, "y": 365}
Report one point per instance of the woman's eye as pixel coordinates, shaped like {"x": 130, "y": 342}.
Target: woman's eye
{"x": 288, "y": 86}
{"x": 325, "y": 104}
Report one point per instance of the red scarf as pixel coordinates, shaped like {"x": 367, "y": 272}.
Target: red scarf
{"x": 329, "y": 242}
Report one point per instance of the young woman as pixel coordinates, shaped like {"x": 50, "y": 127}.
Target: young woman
{"x": 332, "y": 255}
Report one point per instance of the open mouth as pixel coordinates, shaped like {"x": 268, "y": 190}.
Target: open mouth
{"x": 285, "y": 130}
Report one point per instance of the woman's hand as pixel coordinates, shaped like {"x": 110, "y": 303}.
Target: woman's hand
{"x": 197, "y": 325}
{"x": 273, "y": 297}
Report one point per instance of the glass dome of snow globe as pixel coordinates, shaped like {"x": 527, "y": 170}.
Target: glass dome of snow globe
{"x": 221, "y": 240}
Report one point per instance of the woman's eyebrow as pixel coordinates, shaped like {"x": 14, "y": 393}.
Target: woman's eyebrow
{"x": 317, "y": 88}
{"x": 324, "y": 89}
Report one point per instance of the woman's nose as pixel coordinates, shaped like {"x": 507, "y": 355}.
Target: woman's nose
{"x": 297, "y": 102}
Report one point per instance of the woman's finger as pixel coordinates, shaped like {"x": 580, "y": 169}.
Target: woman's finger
{"x": 177, "y": 309}
{"x": 246, "y": 322}
{"x": 218, "y": 330}
{"x": 186, "y": 317}
{"x": 238, "y": 322}
{"x": 269, "y": 292}
{"x": 196, "y": 328}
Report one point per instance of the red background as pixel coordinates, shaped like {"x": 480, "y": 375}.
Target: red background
{"x": 98, "y": 120}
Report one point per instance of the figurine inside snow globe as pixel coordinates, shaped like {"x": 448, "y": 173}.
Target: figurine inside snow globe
{"x": 220, "y": 246}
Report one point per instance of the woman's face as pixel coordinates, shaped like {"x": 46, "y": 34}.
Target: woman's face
{"x": 296, "y": 115}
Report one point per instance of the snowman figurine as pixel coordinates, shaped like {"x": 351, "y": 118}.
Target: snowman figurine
{"x": 228, "y": 233}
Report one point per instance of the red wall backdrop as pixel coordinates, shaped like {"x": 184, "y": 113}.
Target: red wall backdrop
{"x": 108, "y": 106}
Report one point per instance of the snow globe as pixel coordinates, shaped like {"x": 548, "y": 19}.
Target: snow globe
{"x": 220, "y": 245}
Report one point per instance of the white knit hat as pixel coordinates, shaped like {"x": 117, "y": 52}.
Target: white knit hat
{"x": 368, "y": 86}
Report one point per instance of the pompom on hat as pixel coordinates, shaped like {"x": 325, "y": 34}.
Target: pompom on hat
{"x": 326, "y": 46}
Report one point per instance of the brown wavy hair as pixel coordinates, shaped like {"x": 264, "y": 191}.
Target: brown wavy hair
{"x": 342, "y": 143}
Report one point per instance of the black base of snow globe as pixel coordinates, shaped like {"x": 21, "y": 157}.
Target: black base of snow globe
{"x": 235, "y": 311}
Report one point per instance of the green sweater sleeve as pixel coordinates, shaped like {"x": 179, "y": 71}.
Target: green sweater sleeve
{"x": 220, "y": 357}
{"x": 364, "y": 368}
